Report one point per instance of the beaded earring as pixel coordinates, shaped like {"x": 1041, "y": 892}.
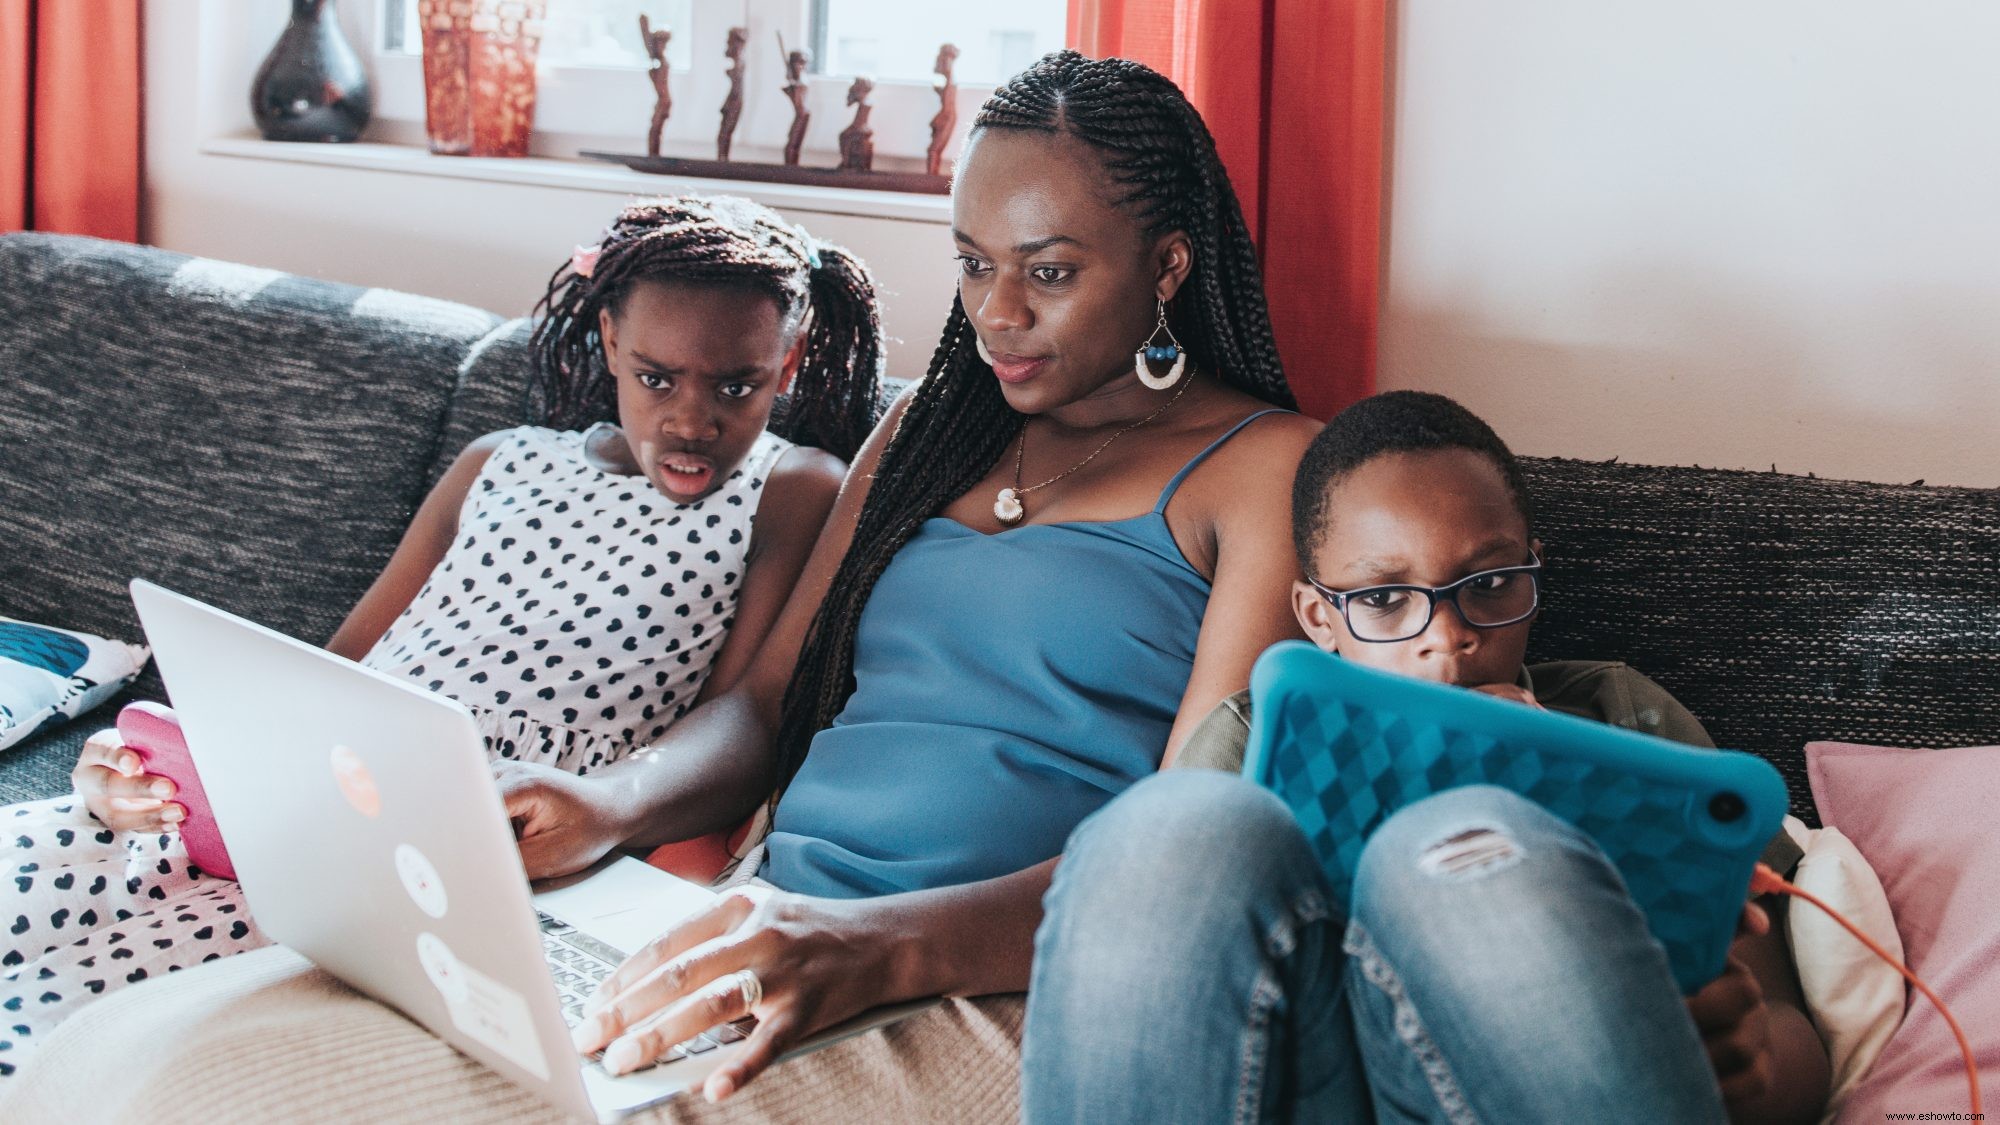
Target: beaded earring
{"x": 1150, "y": 353}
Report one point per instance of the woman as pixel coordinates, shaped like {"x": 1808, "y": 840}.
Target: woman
{"x": 1041, "y": 573}
{"x": 967, "y": 692}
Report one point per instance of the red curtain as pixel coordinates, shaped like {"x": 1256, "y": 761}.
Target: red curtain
{"x": 69, "y": 117}
{"x": 1293, "y": 91}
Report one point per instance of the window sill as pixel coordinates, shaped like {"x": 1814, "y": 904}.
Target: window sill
{"x": 580, "y": 175}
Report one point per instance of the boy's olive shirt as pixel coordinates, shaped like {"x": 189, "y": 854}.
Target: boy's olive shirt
{"x": 1605, "y": 691}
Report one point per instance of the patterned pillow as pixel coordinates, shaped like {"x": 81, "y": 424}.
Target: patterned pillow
{"x": 50, "y": 676}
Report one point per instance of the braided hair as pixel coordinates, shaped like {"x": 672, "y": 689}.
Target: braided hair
{"x": 834, "y": 401}
{"x": 957, "y": 424}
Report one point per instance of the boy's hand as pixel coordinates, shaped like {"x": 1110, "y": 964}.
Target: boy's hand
{"x": 1513, "y": 693}
{"x": 1735, "y": 1024}
{"x": 108, "y": 778}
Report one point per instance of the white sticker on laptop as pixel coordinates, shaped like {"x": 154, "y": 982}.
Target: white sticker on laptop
{"x": 420, "y": 878}
{"x": 482, "y": 1008}
{"x": 442, "y": 968}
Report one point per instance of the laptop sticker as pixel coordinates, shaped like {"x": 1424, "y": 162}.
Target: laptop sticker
{"x": 441, "y": 966}
{"x": 420, "y": 878}
{"x": 356, "y": 784}
{"x": 487, "y": 1011}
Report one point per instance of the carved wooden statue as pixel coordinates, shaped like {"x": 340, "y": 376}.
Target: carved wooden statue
{"x": 663, "y": 102}
{"x": 857, "y": 141}
{"x": 795, "y": 89}
{"x": 732, "y": 103}
{"x": 947, "y": 116}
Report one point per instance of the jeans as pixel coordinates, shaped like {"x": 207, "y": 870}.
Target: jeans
{"x": 1192, "y": 967}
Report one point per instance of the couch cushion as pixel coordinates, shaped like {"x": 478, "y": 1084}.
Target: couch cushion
{"x": 1924, "y": 820}
{"x": 1780, "y": 609}
{"x": 250, "y": 438}
{"x": 49, "y": 676}
{"x": 491, "y": 394}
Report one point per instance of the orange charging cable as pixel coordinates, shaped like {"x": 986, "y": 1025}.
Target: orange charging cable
{"x": 1764, "y": 881}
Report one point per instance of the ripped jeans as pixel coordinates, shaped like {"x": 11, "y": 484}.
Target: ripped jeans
{"x": 1191, "y": 967}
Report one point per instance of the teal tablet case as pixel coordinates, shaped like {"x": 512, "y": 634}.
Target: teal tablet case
{"x": 1346, "y": 746}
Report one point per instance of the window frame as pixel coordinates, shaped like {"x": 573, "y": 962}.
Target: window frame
{"x": 569, "y": 114}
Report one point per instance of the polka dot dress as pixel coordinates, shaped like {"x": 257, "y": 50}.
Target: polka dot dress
{"x": 579, "y": 611}
{"x": 576, "y": 615}
{"x": 91, "y": 910}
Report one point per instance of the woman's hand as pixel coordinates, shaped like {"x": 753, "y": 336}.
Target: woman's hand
{"x": 563, "y": 823}
{"x": 108, "y": 778}
{"x": 1735, "y": 1024}
{"x": 798, "y": 964}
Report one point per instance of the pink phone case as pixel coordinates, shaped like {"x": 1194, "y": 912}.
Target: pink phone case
{"x": 151, "y": 731}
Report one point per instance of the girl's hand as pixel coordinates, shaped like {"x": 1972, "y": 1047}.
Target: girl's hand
{"x": 816, "y": 962}
{"x": 1735, "y": 1024}
{"x": 108, "y": 778}
{"x": 562, "y": 822}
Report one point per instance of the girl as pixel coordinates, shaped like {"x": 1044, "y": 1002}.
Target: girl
{"x": 572, "y": 584}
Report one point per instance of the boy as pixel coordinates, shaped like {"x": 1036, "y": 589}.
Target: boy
{"x": 1493, "y": 967}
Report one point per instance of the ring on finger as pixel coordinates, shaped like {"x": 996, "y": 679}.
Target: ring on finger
{"x": 751, "y": 986}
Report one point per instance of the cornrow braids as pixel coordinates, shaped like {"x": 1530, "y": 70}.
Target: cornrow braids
{"x": 836, "y": 397}
{"x": 957, "y": 423}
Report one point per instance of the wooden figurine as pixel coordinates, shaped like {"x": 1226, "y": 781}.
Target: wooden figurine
{"x": 732, "y": 104}
{"x": 663, "y": 103}
{"x": 795, "y": 89}
{"x": 947, "y": 116}
{"x": 857, "y": 141}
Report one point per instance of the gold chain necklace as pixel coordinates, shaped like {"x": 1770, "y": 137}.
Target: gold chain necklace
{"x": 1008, "y": 507}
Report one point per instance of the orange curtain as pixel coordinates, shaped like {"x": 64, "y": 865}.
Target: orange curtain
{"x": 1293, "y": 91}
{"x": 69, "y": 117}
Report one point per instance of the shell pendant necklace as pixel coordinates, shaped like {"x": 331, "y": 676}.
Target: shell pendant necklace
{"x": 1008, "y": 506}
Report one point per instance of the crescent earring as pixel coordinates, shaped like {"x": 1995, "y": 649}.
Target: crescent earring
{"x": 979, "y": 345}
{"x": 1150, "y": 353}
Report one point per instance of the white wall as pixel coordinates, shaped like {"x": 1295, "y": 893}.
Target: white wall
{"x": 488, "y": 244}
{"x": 1708, "y": 232}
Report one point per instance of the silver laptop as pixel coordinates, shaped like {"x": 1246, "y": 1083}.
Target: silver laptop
{"x": 361, "y": 817}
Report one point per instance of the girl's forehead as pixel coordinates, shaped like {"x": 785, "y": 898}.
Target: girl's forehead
{"x": 672, "y": 299}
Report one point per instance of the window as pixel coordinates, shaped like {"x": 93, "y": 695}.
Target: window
{"x": 897, "y": 40}
{"x": 593, "y": 95}
{"x": 576, "y": 32}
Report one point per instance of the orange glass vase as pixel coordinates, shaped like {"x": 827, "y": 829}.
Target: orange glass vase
{"x": 479, "y": 74}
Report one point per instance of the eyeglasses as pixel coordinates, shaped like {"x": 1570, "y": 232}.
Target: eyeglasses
{"x": 1486, "y": 600}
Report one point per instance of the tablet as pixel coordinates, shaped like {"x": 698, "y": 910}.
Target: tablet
{"x": 1345, "y": 746}
{"x": 152, "y": 731}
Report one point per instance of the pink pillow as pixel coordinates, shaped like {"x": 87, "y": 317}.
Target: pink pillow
{"x": 1924, "y": 821}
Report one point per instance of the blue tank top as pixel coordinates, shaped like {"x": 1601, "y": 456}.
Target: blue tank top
{"x": 1005, "y": 687}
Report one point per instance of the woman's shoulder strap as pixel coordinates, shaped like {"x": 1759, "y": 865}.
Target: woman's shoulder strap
{"x": 1173, "y": 485}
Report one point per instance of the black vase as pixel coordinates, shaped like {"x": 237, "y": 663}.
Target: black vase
{"x": 311, "y": 86}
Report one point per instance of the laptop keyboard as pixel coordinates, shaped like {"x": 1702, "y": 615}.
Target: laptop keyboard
{"x": 580, "y": 962}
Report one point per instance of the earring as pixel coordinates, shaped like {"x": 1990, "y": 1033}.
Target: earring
{"x": 979, "y": 345}
{"x": 1150, "y": 353}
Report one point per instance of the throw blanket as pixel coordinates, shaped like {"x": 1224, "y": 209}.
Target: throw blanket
{"x": 265, "y": 1036}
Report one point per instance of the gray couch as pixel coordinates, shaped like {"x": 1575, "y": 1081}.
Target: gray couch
{"x": 259, "y": 440}
{"x": 250, "y": 438}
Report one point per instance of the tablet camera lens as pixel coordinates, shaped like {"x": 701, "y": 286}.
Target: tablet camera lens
{"x": 1726, "y": 807}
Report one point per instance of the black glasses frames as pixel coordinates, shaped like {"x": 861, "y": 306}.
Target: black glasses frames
{"x": 1499, "y": 597}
